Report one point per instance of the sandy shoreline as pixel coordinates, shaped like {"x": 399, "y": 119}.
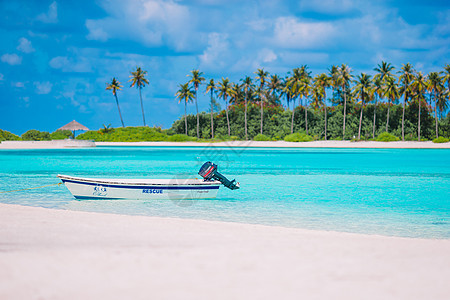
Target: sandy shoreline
{"x": 278, "y": 144}
{"x": 57, "y": 254}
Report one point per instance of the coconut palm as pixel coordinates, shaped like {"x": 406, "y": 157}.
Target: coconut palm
{"x": 334, "y": 75}
{"x": 275, "y": 85}
{"x": 115, "y": 86}
{"x": 344, "y": 78}
{"x": 211, "y": 88}
{"x": 224, "y": 89}
{"x": 384, "y": 70}
{"x": 186, "y": 95}
{"x": 286, "y": 90}
{"x": 435, "y": 86}
{"x": 419, "y": 87}
{"x": 295, "y": 84}
{"x": 363, "y": 89}
{"x": 248, "y": 86}
{"x": 138, "y": 79}
{"x": 261, "y": 76}
{"x": 196, "y": 80}
{"x": 324, "y": 82}
{"x": 378, "y": 90}
{"x": 407, "y": 74}
{"x": 391, "y": 93}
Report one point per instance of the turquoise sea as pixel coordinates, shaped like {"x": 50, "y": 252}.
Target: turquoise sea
{"x": 398, "y": 192}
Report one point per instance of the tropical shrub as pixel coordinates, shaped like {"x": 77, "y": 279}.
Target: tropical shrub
{"x": 8, "y": 136}
{"x": 441, "y": 139}
{"x": 261, "y": 137}
{"x": 61, "y": 134}
{"x": 298, "y": 137}
{"x": 180, "y": 138}
{"x": 36, "y": 135}
{"x": 387, "y": 137}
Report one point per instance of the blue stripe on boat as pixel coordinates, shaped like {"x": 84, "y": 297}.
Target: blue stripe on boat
{"x": 204, "y": 187}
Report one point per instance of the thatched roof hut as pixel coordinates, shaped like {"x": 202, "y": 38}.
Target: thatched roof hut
{"x": 74, "y": 126}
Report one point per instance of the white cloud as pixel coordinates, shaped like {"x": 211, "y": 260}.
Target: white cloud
{"x": 66, "y": 65}
{"x": 25, "y": 45}
{"x": 12, "y": 59}
{"x": 51, "y": 16}
{"x": 267, "y": 55}
{"x": 217, "y": 50}
{"x": 329, "y": 6}
{"x": 291, "y": 33}
{"x": 150, "y": 22}
{"x": 43, "y": 87}
{"x": 18, "y": 84}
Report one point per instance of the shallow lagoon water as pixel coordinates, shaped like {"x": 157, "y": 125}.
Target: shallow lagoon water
{"x": 398, "y": 192}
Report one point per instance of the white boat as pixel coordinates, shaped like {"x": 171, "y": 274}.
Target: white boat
{"x": 140, "y": 189}
{"x": 151, "y": 189}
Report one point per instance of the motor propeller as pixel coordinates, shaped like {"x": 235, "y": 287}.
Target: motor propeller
{"x": 209, "y": 172}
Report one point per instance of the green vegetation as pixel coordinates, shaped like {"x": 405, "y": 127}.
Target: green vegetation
{"x": 36, "y": 135}
{"x": 261, "y": 137}
{"x": 387, "y": 137}
{"x": 298, "y": 137}
{"x": 127, "y": 134}
{"x": 61, "y": 135}
{"x": 441, "y": 139}
{"x": 8, "y": 136}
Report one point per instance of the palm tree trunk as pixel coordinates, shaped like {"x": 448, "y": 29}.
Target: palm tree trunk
{"x": 196, "y": 106}
{"x": 262, "y": 114}
{"x": 374, "y": 118}
{"x": 324, "y": 102}
{"x": 245, "y": 118}
{"x": 293, "y": 112}
{"x": 435, "y": 114}
{"x": 418, "y": 127}
{"x": 118, "y": 107}
{"x": 185, "y": 118}
{"x": 387, "y": 121}
{"x": 345, "y": 113}
{"x": 306, "y": 116}
{"x": 360, "y": 119}
{"x": 142, "y": 106}
{"x": 228, "y": 120}
{"x": 403, "y": 117}
{"x": 212, "y": 112}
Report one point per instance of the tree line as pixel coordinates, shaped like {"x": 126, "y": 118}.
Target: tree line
{"x": 388, "y": 89}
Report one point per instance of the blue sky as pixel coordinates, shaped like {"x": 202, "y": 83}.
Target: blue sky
{"x": 56, "y": 56}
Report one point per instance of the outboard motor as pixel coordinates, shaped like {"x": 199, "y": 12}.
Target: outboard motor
{"x": 209, "y": 172}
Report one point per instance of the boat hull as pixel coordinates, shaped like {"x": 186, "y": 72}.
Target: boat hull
{"x": 176, "y": 189}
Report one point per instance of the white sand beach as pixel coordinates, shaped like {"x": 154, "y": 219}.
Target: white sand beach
{"x": 59, "y": 254}
{"x": 60, "y": 144}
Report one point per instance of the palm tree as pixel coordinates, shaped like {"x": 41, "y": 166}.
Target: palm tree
{"x": 138, "y": 79}
{"x": 378, "y": 90}
{"x": 295, "y": 85}
{"x": 334, "y": 75}
{"x": 225, "y": 91}
{"x": 115, "y": 86}
{"x": 211, "y": 88}
{"x": 391, "y": 92}
{"x": 196, "y": 80}
{"x": 274, "y": 86}
{"x": 261, "y": 76}
{"x": 247, "y": 85}
{"x": 362, "y": 89}
{"x": 286, "y": 90}
{"x": 185, "y": 94}
{"x": 435, "y": 86}
{"x": 344, "y": 78}
{"x": 324, "y": 82}
{"x": 384, "y": 70}
{"x": 407, "y": 74}
{"x": 419, "y": 86}
{"x": 305, "y": 92}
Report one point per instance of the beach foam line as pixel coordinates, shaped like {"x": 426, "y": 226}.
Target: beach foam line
{"x": 62, "y": 254}
{"x": 283, "y": 144}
